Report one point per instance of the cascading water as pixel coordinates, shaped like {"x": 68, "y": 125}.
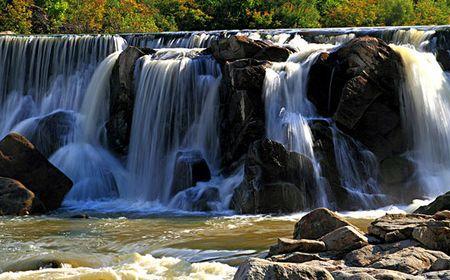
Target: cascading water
{"x": 176, "y": 107}
{"x": 426, "y": 107}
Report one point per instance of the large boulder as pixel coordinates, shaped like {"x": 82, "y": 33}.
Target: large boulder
{"x": 358, "y": 85}
{"x": 20, "y": 160}
{"x": 275, "y": 181}
{"x": 258, "y": 269}
{"x": 362, "y": 273}
{"x": 190, "y": 168}
{"x": 240, "y": 47}
{"x": 242, "y": 115}
{"x": 318, "y": 223}
{"x": 15, "y": 198}
{"x": 121, "y": 99}
{"x": 439, "y": 204}
{"x": 435, "y": 236}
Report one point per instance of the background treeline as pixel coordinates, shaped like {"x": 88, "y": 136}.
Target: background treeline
{"x": 115, "y": 16}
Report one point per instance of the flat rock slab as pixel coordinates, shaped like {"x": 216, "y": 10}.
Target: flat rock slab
{"x": 360, "y": 273}
{"x": 287, "y": 245}
{"x": 259, "y": 269}
{"x": 346, "y": 238}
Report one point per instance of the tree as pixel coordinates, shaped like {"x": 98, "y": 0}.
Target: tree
{"x": 128, "y": 16}
{"x": 17, "y": 16}
{"x": 430, "y": 12}
{"x": 84, "y": 16}
{"x": 353, "y": 13}
{"x": 396, "y": 12}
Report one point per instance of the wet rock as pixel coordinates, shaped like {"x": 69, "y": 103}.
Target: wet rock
{"x": 20, "y": 160}
{"x": 358, "y": 273}
{"x": 240, "y": 47}
{"x": 15, "y": 198}
{"x": 52, "y": 132}
{"x": 275, "y": 181}
{"x": 242, "y": 115}
{"x": 346, "y": 238}
{"x": 358, "y": 85}
{"x": 286, "y": 245}
{"x": 208, "y": 196}
{"x": 437, "y": 275}
{"x": 255, "y": 269}
{"x": 439, "y": 204}
{"x": 34, "y": 264}
{"x": 197, "y": 199}
{"x": 318, "y": 223}
{"x": 190, "y": 168}
{"x": 121, "y": 100}
{"x": 443, "y": 57}
{"x": 80, "y": 216}
{"x": 372, "y": 253}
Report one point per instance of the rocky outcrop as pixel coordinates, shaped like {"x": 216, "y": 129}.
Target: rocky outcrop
{"x": 255, "y": 269}
{"x": 439, "y": 204}
{"x": 318, "y": 223}
{"x": 420, "y": 253}
{"x": 275, "y": 181}
{"x": 15, "y": 198}
{"x": 20, "y": 160}
{"x": 240, "y": 47}
{"x": 190, "y": 168}
{"x": 121, "y": 100}
{"x": 358, "y": 85}
{"x": 242, "y": 116}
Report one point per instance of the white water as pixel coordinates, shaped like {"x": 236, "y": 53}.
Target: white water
{"x": 176, "y": 109}
{"x": 426, "y": 104}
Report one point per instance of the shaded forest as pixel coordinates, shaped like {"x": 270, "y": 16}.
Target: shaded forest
{"x": 121, "y": 16}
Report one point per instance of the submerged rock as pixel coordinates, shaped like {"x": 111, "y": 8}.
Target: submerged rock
{"x": 121, "y": 100}
{"x": 20, "y": 160}
{"x": 275, "y": 181}
{"x": 256, "y": 269}
{"x": 318, "y": 223}
{"x": 440, "y": 203}
{"x": 190, "y": 168}
{"x": 15, "y": 198}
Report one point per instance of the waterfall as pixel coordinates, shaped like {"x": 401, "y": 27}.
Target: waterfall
{"x": 41, "y": 74}
{"x": 176, "y": 109}
{"x": 173, "y": 40}
{"x": 426, "y": 110}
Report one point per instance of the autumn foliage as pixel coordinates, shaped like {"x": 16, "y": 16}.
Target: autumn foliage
{"x": 121, "y": 16}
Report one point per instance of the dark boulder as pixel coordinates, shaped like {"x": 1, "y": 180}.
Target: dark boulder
{"x": 242, "y": 115}
{"x": 190, "y": 168}
{"x": 15, "y": 198}
{"x": 121, "y": 101}
{"x": 20, "y": 160}
{"x": 53, "y": 131}
{"x": 439, "y": 204}
{"x": 275, "y": 181}
{"x": 358, "y": 85}
{"x": 240, "y": 47}
{"x": 443, "y": 57}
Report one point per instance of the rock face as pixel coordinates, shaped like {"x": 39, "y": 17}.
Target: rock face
{"x": 240, "y": 47}
{"x": 318, "y": 223}
{"x": 190, "y": 168}
{"x": 53, "y": 131}
{"x": 20, "y": 160}
{"x": 358, "y": 85}
{"x": 275, "y": 180}
{"x": 440, "y": 203}
{"x": 15, "y": 198}
{"x": 242, "y": 116}
{"x": 420, "y": 254}
{"x": 122, "y": 96}
{"x": 256, "y": 269}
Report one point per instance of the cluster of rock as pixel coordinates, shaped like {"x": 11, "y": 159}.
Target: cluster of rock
{"x": 325, "y": 246}
{"x": 29, "y": 183}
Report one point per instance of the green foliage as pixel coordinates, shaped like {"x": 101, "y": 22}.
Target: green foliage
{"x": 115, "y": 16}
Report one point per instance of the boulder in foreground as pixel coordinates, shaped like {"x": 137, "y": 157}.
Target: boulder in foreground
{"x": 15, "y": 198}
{"x": 20, "y": 160}
{"x": 439, "y": 204}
